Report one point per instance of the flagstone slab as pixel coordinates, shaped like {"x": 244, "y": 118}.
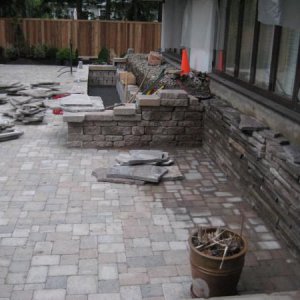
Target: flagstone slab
{"x": 147, "y": 173}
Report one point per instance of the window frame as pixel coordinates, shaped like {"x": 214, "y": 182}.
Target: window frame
{"x": 292, "y": 103}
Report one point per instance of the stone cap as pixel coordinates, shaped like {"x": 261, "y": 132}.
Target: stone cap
{"x": 125, "y": 110}
{"x": 147, "y": 100}
{"x": 102, "y": 68}
{"x": 172, "y": 94}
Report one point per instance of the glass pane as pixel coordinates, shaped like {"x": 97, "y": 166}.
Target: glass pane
{"x": 247, "y": 39}
{"x": 232, "y": 37}
{"x": 264, "y": 55}
{"x": 288, "y": 54}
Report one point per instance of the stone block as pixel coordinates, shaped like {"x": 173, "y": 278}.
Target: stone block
{"x": 119, "y": 144}
{"x": 74, "y": 144}
{"x": 116, "y": 130}
{"x": 91, "y": 130}
{"x": 114, "y": 138}
{"x": 131, "y": 140}
{"x": 193, "y": 130}
{"x": 125, "y": 110}
{"x": 128, "y": 123}
{"x": 147, "y": 100}
{"x": 163, "y": 138}
{"x": 156, "y": 116}
{"x": 193, "y": 115}
{"x": 74, "y": 130}
{"x": 74, "y": 117}
{"x": 135, "y": 117}
{"x": 174, "y": 102}
{"x": 178, "y": 115}
{"x": 193, "y": 100}
{"x": 107, "y": 115}
{"x": 104, "y": 144}
{"x": 99, "y": 138}
{"x": 138, "y": 130}
{"x": 102, "y": 68}
{"x": 173, "y": 94}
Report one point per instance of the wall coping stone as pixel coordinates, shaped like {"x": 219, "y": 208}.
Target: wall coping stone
{"x": 102, "y": 68}
{"x": 173, "y": 94}
{"x": 125, "y": 110}
{"x": 74, "y": 117}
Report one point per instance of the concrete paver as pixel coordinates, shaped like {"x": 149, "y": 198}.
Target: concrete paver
{"x": 65, "y": 236}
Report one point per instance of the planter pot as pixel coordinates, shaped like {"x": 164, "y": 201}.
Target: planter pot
{"x": 208, "y": 279}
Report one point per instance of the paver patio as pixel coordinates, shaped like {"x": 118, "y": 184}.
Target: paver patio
{"x": 65, "y": 236}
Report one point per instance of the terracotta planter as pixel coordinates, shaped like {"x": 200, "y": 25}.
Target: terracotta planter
{"x": 208, "y": 279}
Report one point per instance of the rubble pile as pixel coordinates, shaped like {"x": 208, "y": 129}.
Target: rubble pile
{"x": 139, "y": 167}
{"x": 7, "y": 131}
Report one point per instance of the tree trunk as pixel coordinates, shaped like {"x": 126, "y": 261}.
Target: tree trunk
{"x": 108, "y": 9}
{"x": 79, "y": 9}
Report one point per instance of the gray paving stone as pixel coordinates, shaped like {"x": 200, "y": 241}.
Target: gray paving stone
{"x": 130, "y": 292}
{"x": 21, "y": 295}
{"x": 109, "y": 286}
{"x": 58, "y": 294}
{"x": 151, "y": 290}
{"x": 63, "y": 270}
{"x": 88, "y": 266}
{"x": 83, "y": 284}
{"x": 37, "y": 274}
{"x": 45, "y": 260}
{"x": 108, "y": 272}
{"x": 56, "y": 282}
{"x": 65, "y": 247}
{"x": 110, "y": 296}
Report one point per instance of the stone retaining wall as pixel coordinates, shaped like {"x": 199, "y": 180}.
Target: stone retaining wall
{"x": 100, "y": 75}
{"x": 170, "y": 118}
{"x": 263, "y": 161}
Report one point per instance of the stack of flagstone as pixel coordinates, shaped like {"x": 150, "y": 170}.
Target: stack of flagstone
{"x": 139, "y": 167}
{"x": 7, "y": 131}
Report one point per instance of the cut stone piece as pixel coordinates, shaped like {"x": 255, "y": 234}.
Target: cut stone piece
{"x": 293, "y": 153}
{"x": 250, "y": 124}
{"x": 10, "y": 135}
{"x": 76, "y": 100}
{"x": 173, "y": 174}
{"x": 147, "y": 100}
{"x": 136, "y": 157}
{"x": 37, "y": 93}
{"x": 74, "y": 117}
{"x": 146, "y": 173}
{"x": 172, "y": 94}
{"x": 125, "y": 110}
{"x": 101, "y": 175}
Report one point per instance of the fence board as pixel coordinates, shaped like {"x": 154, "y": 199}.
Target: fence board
{"x": 87, "y": 36}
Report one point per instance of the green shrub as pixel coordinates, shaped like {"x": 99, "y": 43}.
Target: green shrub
{"x": 51, "y": 52}
{"x": 12, "y": 53}
{"x": 103, "y": 56}
{"x": 39, "y": 51}
{"x": 64, "y": 54}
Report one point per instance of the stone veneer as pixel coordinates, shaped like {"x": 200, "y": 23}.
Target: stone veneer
{"x": 102, "y": 75}
{"x": 170, "y": 118}
{"x": 263, "y": 162}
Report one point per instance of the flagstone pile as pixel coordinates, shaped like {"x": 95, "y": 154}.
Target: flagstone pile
{"x": 8, "y": 131}
{"x": 139, "y": 167}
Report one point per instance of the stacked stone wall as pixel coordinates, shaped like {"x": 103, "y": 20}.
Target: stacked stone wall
{"x": 263, "y": 161}
{"x": 172, "y": 118}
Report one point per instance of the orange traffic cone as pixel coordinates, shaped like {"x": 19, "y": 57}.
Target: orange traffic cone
{"x": 185, "y": 66}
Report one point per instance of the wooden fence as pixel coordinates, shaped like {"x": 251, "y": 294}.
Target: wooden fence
{"x": 87, "y": 36}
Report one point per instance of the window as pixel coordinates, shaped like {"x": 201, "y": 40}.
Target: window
{"x": 247, "y": 40}
{"x": 263, "y": 58}
{"x": 232, "y": 37}
{"x": 288, "y": 53}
